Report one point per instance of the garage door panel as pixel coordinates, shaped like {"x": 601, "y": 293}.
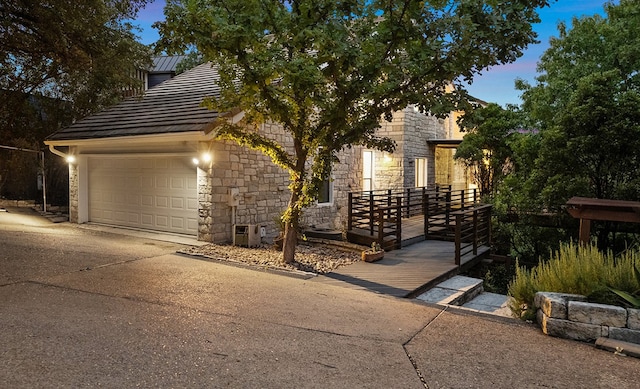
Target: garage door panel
{"x": 177, "y": 203}
{"x": 162, "y": 202}
{"x": 177, "y": 183}
{"x": 150, "y": 193}
{"x": 146, "y": 200}
{"x": 161, "y": 182}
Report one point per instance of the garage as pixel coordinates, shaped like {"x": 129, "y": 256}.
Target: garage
{"x": 153, "y": 193}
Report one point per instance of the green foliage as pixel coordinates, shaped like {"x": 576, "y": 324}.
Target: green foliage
{"x": 585, "y": 108}
{"x": 586, "y": 103}
{"x": 84, "y": 53}
{"x": 631, "y": 298}
{"x": 485, "y": 149}
{"x": 191, "y": 60}
{"x": 329, "y": 71}
{"x": 60, "y": 60}
{"x": 574, "y": 269}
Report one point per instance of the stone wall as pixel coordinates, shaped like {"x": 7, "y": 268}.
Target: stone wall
{"x": 570, "y": 316}
{"x": 18, "y": 203}
{"x": 263, "y": 189}
{"x": 411, "y": 130}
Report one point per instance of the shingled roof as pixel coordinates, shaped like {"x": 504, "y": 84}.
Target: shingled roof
{"x": 171, "y": 107}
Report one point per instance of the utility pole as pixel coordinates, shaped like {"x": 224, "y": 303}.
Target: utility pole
{"x": 42, "y": 171}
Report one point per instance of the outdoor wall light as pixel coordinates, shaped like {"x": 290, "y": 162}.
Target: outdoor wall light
{"x": 70, "y": 159}
{"x": 204, "y": 157}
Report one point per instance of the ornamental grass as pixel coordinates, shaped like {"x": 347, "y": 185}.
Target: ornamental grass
{"x": 577, "y": 269}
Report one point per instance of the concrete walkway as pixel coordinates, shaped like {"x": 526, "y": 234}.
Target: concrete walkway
{"x": 86, "y": 308}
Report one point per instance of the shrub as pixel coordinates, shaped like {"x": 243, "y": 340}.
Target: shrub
{"x": 579, "y": 269}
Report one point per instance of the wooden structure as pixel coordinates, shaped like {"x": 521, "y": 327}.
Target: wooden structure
{"x": 455, "y": 216}
{"x": 588, "y": 209}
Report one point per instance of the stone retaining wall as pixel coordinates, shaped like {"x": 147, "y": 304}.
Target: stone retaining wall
{"x": 17, "y": 203}
{"x": 570, "y": 316}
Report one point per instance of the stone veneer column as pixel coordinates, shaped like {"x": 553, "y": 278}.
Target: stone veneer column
{"x": 73, "y": 193}
{"x": 205, "y": 218}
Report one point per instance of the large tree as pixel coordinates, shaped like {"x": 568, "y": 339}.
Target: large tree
{"x": 60, "y": 60}
{"x": 586, "y": 102}
{"x": 329, "y": 71}
{"x": 485, "y": 149}
{"x": 82, "y": 52}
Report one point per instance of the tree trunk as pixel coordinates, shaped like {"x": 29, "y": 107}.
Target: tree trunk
{"x": 291, "y": 224}
{"x": 292, "y": 218}
{"x": 289, "y": 244}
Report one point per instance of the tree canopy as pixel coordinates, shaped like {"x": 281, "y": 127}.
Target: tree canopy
{"x": 328, "y": 71}
{"x": 61, "y": 60}
{"x": 485, "y": 149}
{"x": 586, "y": 102}
{"x": 82, "y": 52}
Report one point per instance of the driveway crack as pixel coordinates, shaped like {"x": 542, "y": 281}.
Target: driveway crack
{"x": 411, "y": 358}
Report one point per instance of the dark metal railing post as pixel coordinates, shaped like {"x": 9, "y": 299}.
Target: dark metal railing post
{"x": 458, "y": 238}
{"x": 425, "y": 212}
{"x": 399, "y": 223}
{"x": 350, "y": 212}
{"x": 475, "y": 232}
{"x": 371, "y": 214}
{"x": 408, "y": 202}
{"x": 381, "y": 227}
{"x": 462, "y": 199}
{"x": 488, "y": 218}
{"x": 447, "y": 211}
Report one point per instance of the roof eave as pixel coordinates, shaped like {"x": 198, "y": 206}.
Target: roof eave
{"x": 134, "y": 139}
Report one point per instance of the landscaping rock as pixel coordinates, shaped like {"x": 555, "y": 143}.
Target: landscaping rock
{"x": 633, "y": 319}
{"x": 318, "y": 259}
{"x": 555, "y": 304}
{"x": 625, "y": 334}
{"x": 598, "y": 314}
{"x": 568, "y": 329}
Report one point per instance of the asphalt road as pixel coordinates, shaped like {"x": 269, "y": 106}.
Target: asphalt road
{"x": 84, "y": 308}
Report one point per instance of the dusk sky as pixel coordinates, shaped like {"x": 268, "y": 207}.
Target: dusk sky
{"x": 494, "y": 85}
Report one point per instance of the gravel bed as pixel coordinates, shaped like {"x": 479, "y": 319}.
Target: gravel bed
{"x": 316, "y": 258}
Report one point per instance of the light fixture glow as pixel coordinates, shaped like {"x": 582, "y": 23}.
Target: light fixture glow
{"x": 205, "y": 157}
{"x": 196, "y": 161}
{"x": 70, "y": 159}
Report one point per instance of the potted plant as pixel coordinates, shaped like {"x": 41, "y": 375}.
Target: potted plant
{"x": 375, "y": 253}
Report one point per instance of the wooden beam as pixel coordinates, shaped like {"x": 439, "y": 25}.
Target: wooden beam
{"x": 585, "y": 231}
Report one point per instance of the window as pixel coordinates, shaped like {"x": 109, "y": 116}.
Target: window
{"x": 421, "y": 172}
{"x": 367, "y": 170}
{"x": 324, "y": 195}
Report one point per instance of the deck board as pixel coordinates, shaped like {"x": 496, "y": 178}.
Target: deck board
{"x": 402, "y": 272}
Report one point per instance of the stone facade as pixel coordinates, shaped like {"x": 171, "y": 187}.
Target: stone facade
{"x": 73, "y": 193}
{"x": 569, "y": 316}
{"x": 410, "y": 130}
{"x": 262, "y": 187}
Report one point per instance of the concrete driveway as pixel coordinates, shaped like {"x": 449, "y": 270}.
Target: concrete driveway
{"x": 86, "y": 308}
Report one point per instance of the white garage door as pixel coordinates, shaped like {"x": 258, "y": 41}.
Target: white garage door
{"x": 150, "y": 193}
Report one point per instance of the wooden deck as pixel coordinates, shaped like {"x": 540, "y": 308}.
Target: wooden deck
{"x": 406, "y": 272}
